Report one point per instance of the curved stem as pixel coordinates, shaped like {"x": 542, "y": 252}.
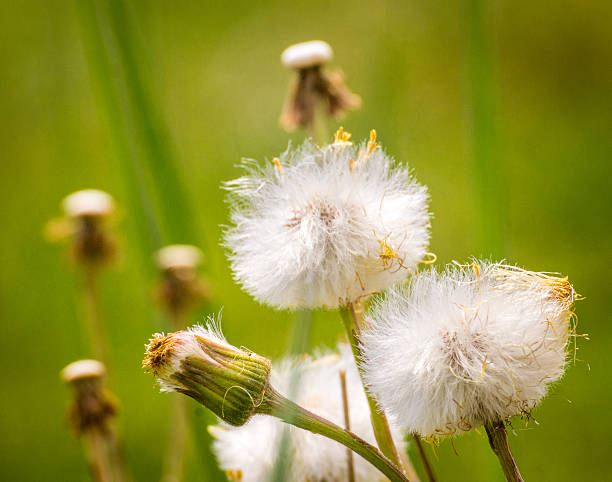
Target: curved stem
{"x": 278, "y": 406}
{"x": 498, "y": 440}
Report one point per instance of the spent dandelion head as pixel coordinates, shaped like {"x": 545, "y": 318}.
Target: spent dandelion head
{"x": 323, "y": 226}
{"x": 85, "y": 224}
{"x": 472, "y": 345}
{"x": 180, "y": 286}
{"x": 314, "y": 85}
{"x": 92, "y": 408}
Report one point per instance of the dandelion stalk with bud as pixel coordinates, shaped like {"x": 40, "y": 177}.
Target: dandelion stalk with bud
{"x": 86, "y": 226}
{"x": 471, "y": 346}
{"x": 235, "y": 385}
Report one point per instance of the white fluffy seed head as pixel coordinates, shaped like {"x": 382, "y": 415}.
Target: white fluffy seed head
{"x": 306, "y": 54}
{"x": 88, "y": 202}
{"x": 324, "y": 226}
{"x": 473, "y": 344}
{"x": 82, "y": 369}
{"x": 251, "y": 450}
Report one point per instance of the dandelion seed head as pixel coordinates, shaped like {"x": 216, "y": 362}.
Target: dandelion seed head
{"x": 473, "y": 344}
{"x": 330, "y": 225}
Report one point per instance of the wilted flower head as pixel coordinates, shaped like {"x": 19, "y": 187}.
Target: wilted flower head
{"x": 93, "y": 407}
{"x": 475, "y": 344}
{"x": 313, "y": 85}
{"x": 249, "y": 452}
{"x": 180, "y": 287}
{"x": 198, "y": 362}
{"x": 85, "y": 225}
{"x": 324, "y": 226}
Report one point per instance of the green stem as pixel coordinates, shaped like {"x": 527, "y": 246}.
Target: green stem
{"x": 352, "y": 324}
{"x": 92, "y": 315}
{"x": 278, "y": 406}
{"x": 498, "y": 440}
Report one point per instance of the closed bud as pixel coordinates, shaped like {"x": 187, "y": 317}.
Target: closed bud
{"x": 201, "y": 364}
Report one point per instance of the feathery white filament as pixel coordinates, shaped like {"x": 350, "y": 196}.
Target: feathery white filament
{"x": 323, "y": 226}
{"x": 252, "y": 448}
{"x": 473, "y": 344}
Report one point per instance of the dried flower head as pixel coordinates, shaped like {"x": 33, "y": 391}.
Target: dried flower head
{"x": 474, "y": 344}
{"x": 324, "y": 226}
{"x": 314, "y": 85}
{"x": 180, "y": 287}
{"x": 87, "y": 215}
{"x": 199, "y": 363}
{"x": 93, "y": 408}
{"x": 240, "y": 450}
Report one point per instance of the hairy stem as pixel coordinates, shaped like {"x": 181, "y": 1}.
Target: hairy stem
{"x": 498, "y": 440}
{"x": 278, "y": 406}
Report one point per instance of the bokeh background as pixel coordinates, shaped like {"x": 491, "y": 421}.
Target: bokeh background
{"x": 504, "y": 110}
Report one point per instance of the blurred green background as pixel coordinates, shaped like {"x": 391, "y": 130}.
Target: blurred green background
{"x": 503, "y": 110}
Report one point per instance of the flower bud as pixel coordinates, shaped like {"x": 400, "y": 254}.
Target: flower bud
{"x": 200, "y": 363}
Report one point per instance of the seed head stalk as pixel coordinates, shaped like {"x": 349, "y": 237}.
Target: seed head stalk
{"x": 347, "y": 426}
{"x": 352, "y": 314}
{"x": 498, "y": 440}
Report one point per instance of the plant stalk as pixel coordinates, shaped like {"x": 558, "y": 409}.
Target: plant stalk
{"x": 97, "y": 456}
{"x": 92, "y": 315}
{"x": 347, "y": 425}
{"x": 278, "y": 406}
{"x": 426, "y": 465}
{"x": 352, "y": 319}
{"x": 498, "y": 440}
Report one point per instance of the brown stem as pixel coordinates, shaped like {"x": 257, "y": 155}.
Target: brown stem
{"x": 347, "y": 426}
{"x": 426, "y": 465}
{"x": 498, "y": 440}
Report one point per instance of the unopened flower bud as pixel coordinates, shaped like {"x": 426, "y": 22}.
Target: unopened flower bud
{"x": 93, "y": 407}
{"x": 200, "y": 363}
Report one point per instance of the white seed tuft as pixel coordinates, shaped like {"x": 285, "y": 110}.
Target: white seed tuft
{"x": 474, "y": 344}
{"x": 88, "y": 202}
{"x": 324, "y": 226}
{"x": 306, "y": 54}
